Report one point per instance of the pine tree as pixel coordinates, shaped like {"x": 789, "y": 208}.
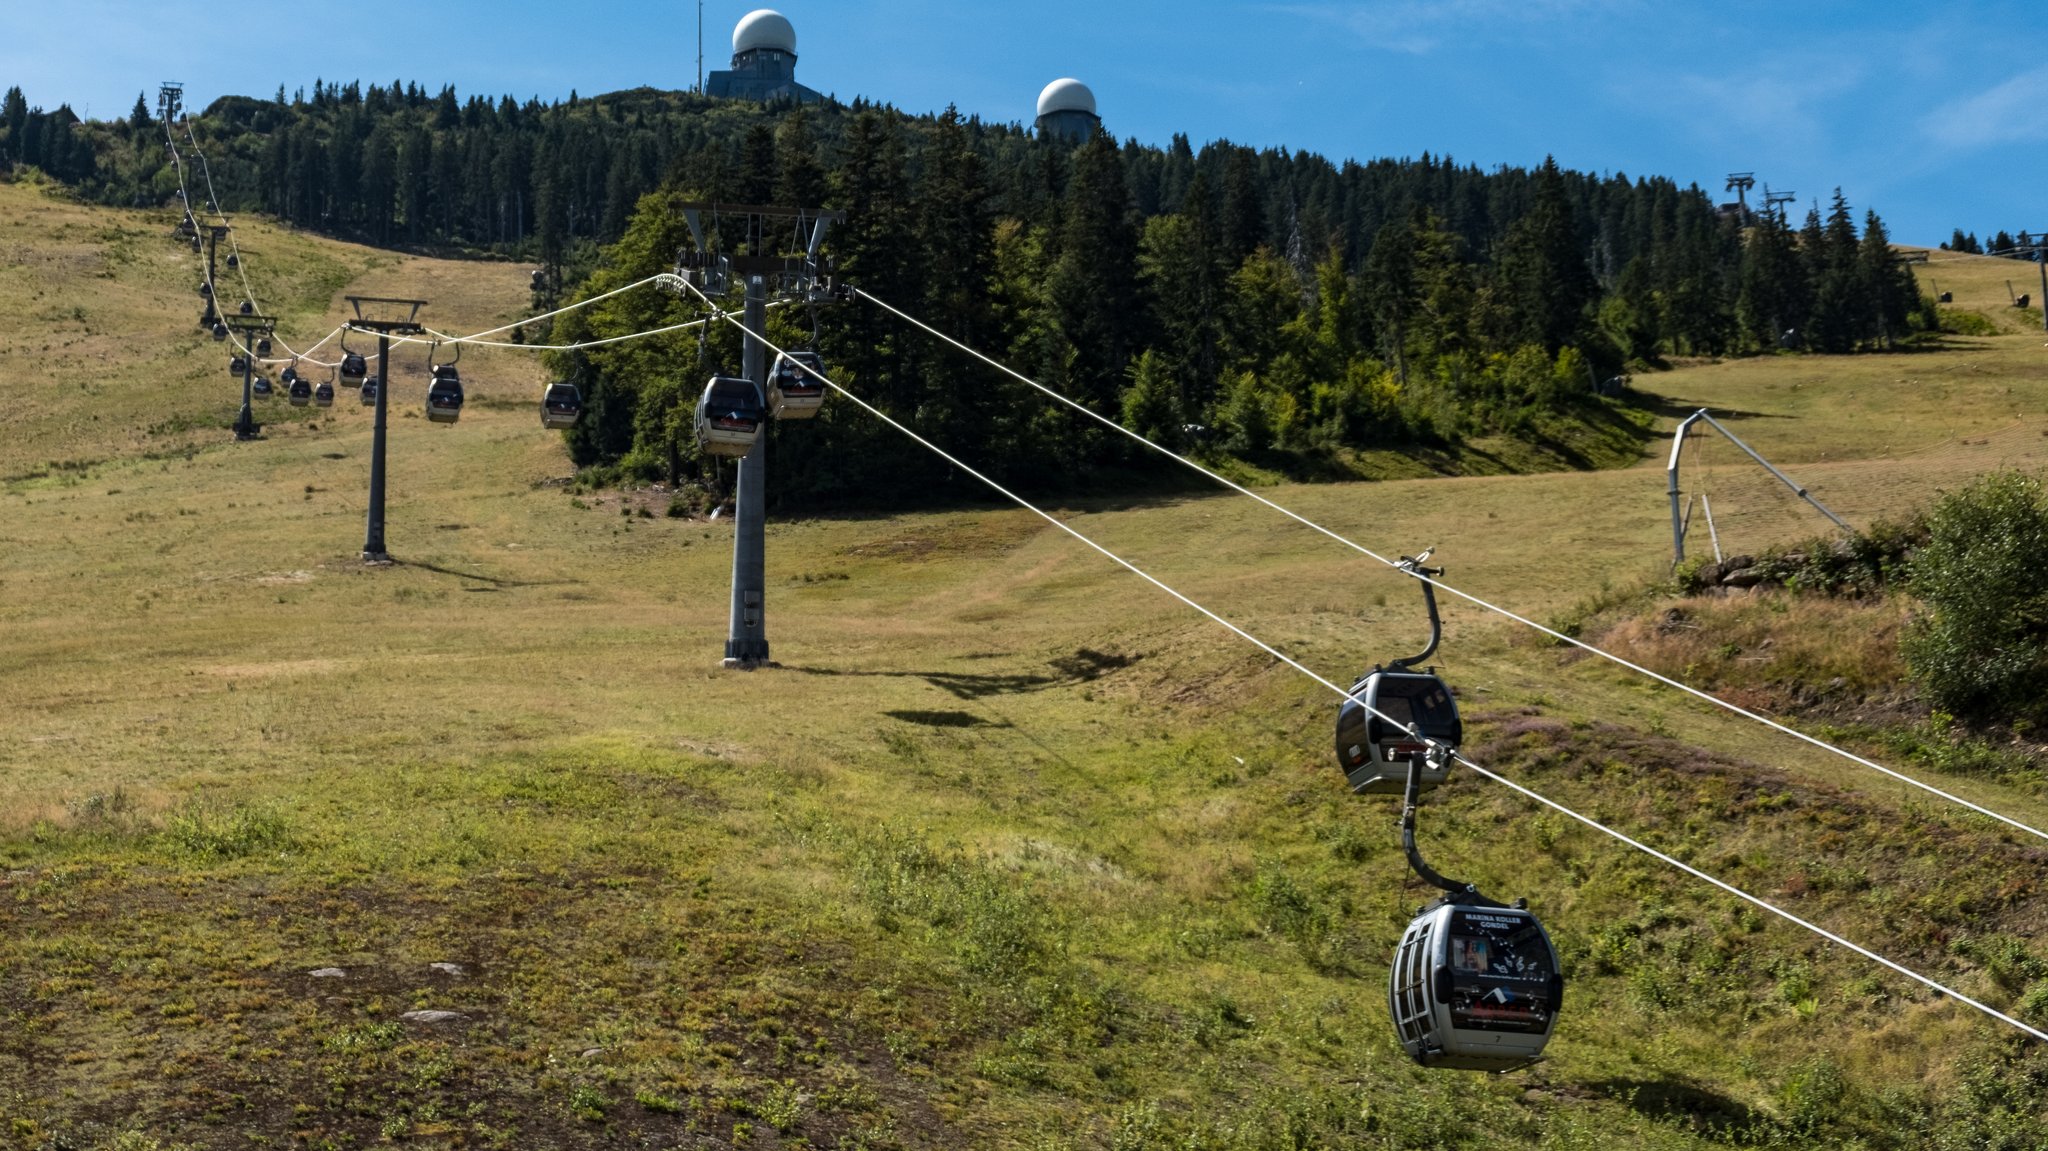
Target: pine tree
{"x": 801, "y": 181}
{"x": 1390, "y": 291}
{"x": 1885, "y": 284}
{"x": 1243, "y": 220}
{"x": 1183, "y": 276}
{"x": 757, "y": 166}
{"x": 1094, "y": 284}
{"x": 952, "y": 235}
{"x": 1775, "y": 295}
{"x": 1546, "y": 281}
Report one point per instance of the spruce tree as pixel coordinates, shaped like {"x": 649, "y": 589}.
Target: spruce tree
{"x": 1545, "y": 280}
{"x": 800, "y": 181}
{"x": 757, "y": 171}
{"x": 1094, "y": 283}
{"x": 1886, "y": 284}
{"x": 1774, "y": 294}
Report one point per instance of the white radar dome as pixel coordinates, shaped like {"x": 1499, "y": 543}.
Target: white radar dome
{"x": 764, "y": 28}
{"x": 1068, "y": 95}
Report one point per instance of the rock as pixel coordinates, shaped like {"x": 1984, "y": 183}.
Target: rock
{"x": 433, "y": 1016}
{"x": 1737, "y": 563}
{"x": 329, "y": 973}
{"x": 448, "y": 968}
{"x": 593, "y": 1052}
{"x": 1747, "y": 577}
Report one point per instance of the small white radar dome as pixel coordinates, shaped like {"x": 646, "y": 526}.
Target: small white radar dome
{"x": 1066, "y": 95}
{"x": 764, "y": 28}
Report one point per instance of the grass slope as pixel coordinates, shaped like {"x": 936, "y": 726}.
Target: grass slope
{"x": 1010, "y": 852}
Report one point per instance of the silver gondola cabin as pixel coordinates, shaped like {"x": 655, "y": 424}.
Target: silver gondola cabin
{"x": 560, "y": 405}
{"x": 444, "y": 395}
{"x": 1475, "y": 986}
{"x": 793, "y": 393}
{"x": 729, "y": 416}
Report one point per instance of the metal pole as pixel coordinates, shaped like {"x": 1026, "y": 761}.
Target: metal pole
{"x": 245, "y": 423}
{"x": 746, "y": 643}
{"x": 373, "y": 536}
{"x": 1671, "y": 480}
{"x": 2041, "y": 258}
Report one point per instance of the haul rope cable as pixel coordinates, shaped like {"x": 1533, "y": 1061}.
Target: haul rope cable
{"x": 474, "y": 338}
{"x": 241, "y": 265}
{"x": 1467, "y": 596}
{"x": 1924, "y": 980}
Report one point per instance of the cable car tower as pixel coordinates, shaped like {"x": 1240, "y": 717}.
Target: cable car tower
{"x": 248, "y": 328}
{"x": 1475, "y": 984}
{"x": 1774, "y": 202}
{"x": 1740, "y": 183}
{"x": 170, "y": 100}
{"x": 768, "y": 249}
{"x": 384, "y": 319}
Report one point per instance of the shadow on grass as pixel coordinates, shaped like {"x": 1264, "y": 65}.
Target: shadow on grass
{"x": 495, "y": 582}
{"x": 944, "y": 719}
{"x": 1084, "y": 666}
{"x": 1670, "y": 408}
{"x": 1704, "y": 1112}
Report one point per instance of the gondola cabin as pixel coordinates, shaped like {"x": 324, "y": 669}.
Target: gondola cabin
{"x": 354, "y": 369}
{"x": 263, "y": 346}
{"x": 234, "y": 261}
{"x": 560, "y": 406}
{"x": 299, "y": 391}
{"x": 289, "y": 374}
{"x": 237, "y": 365}
{"x": 1474, "y": 987}
{"x": 729, "y": 416}
{"x": 370, "y": 392}
{"x": 793, "y": 393}
{"x": 220, "y": 331}
{"x": 248, "y": 307}
{"x": 205, "y": 289}
{"x": 323, "y": 395}
{"x": 444, "y": 395}
{"x": 1374, "y": 752}
{"x": 261, "y": 387}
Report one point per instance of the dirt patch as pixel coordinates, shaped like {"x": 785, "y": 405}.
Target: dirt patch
{"x": 985, "y": 536}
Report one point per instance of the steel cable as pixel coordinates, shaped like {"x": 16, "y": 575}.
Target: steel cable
{"x": 1467, "y": 596}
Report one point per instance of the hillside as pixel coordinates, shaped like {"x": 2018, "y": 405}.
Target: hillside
{"x": 1279, "y": 311}
{"x": 1011, "y": 851}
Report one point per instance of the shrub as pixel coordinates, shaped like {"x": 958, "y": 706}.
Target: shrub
{"x": 1982, "y": 651}
{"x": 212, "y": 831}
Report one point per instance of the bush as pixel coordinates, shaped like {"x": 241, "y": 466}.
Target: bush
{"x": 1982, "y": 651}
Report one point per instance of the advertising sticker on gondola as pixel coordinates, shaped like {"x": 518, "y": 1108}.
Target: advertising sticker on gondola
{"x": 1502, "y": 972}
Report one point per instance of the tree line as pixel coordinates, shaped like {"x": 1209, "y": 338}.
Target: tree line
{"x": 1269, "y": 304}
{"x": 2023, "y": 247}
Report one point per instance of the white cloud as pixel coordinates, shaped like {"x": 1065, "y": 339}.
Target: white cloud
{"x": 1418, "y": 27}
{"x": 1774, "y": 105}
{"x": 2010, "y": 113}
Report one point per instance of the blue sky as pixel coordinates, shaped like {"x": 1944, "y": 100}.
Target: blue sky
{"x": 1934, "y": 114}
